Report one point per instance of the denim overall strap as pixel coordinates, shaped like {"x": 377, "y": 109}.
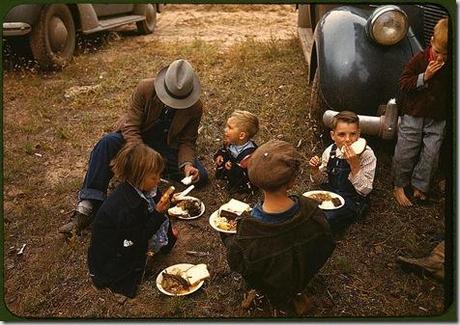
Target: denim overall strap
{"x": 338, "y": 171}
{"x": 355, "y": 206}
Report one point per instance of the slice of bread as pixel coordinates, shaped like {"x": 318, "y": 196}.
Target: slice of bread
{"x": 358, "y": 148}
{"x": 196, "y": 274}
{"x": 235, "y": 206}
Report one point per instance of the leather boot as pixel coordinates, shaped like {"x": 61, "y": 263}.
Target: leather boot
{"x": 433, "y": 264}
{"x": 77, "y": 223}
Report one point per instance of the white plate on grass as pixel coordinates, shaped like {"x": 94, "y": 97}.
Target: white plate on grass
{"x": 213, "y": 221}
{"x": 177, "y": 269}
{"x": 326, "y": 205}
{"x": 194, "y": 217}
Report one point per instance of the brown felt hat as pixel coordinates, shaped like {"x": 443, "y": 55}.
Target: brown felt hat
{"x": 273, "y": 165}
{"x": 178, "y": 85}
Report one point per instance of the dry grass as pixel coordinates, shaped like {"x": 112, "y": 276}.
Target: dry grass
{"x": 48, "y": 138}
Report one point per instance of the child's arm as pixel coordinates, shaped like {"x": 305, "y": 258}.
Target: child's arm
{"x": 318, "y": 167}
{"x": 363, "y": 180}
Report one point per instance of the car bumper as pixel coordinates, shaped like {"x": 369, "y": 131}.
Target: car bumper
{"x": 16, "y": 29}
{"x": 384, "y": 126}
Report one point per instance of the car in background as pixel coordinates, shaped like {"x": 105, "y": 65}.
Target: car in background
{"x": 355, "y": 56}
{"x": 51, "y": 28}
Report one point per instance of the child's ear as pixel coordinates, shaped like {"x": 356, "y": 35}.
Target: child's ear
{"x": 291, "y": 182}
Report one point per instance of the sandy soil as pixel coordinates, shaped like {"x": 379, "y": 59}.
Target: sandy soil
{"x": 225, "y": 25}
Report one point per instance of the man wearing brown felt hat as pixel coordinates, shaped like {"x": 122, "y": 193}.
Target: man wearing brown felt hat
{"x": 164, "y": 113}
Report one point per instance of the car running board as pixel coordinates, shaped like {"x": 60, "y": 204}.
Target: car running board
{"x": 108, "y": 23}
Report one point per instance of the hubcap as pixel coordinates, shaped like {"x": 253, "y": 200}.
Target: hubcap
{"x": 150, "y": 14}
{"x": 57, "y": 34}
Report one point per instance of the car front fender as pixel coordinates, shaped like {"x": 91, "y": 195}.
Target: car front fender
{"x": 356, "y": 73}
{"x": 28, "y": 14}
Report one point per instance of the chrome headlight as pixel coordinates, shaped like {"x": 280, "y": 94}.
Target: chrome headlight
{"x": 387, "y": 25}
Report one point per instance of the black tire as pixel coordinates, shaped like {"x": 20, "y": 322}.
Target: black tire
{"x": 147, "y": 26}
{"x": 317, "y": 108}
{"x": 53, "y": 47}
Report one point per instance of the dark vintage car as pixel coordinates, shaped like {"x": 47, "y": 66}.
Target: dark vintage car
{"x": 51, "y": 28}
{"x": 356, "y": 55}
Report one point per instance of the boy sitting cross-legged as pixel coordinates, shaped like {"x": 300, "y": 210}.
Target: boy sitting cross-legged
{"x": 286, "y": 240}
{"x": 345, "y": 172}
{"x": 231, "y": 160}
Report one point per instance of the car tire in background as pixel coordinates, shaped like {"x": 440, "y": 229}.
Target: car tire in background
{"x": 147, "y": 26}
{"x": 53, "y": 37}
{"x": 317, "y": 108}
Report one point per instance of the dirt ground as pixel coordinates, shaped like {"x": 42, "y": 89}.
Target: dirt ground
{"x": 248, "y": 57}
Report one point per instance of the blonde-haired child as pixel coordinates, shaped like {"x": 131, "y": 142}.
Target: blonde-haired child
{"x": 425, "y": 100}
{"x": 127, "y": 220}
{"x": 231, "y": 160}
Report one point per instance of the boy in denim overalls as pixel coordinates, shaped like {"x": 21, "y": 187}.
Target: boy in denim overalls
{"x": 342, "y": 171}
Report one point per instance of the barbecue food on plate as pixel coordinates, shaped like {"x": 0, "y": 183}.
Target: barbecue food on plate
{"x": 326, "y": 199}
{"x": 225, "y": 224}
{"x": 174, "y": 283}
{"x": 226, "y": 219}
{"x": 187, "y": 208}
{"x": 178, "y": 281}
{"x": 320, "y": 197}
{"x": 336, "y": 201}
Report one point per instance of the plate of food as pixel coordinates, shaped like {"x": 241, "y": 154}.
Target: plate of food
{"x": 187, "y": 207}
{"x": 182, "y": 279}
{"x": 328, "y": 200}
{"x": 224, "y": 219}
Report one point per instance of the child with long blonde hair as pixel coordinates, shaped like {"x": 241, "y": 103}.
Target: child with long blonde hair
{"x": 130, "y": 217}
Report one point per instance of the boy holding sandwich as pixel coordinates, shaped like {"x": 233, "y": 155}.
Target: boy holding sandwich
{"x": 343, "y": 171}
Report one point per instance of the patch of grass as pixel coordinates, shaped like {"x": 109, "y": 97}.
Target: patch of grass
{"x": 67, "y": 185}
{"x": 343, "y": 264}
{"x": 29, "y": 148}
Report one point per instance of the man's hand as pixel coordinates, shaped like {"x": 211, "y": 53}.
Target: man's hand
{"x": 189, "y": 169}
{"x": 352, "y": 159}
{"x": 219, "y": 160}
{"x": 314, "y": 164}
{"x": 431, "y": 69}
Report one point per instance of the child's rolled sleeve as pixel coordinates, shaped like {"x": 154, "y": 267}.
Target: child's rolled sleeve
{"x": 363, "y": 180}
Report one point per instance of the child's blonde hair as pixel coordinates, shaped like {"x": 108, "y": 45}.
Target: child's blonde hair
{"x": 247, "y": 122}
{"x": 345, "y": 116}
{"x": 134, "y": 162}
{"x": 440, "y": 34}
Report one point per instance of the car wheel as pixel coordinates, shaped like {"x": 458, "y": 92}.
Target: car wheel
{"x": 147, "y": 26}
{"x": 317, "y": 108}
{"x": 53, "y": 37}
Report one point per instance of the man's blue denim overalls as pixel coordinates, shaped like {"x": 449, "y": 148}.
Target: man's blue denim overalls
{"x": 356, "y": 205}
{"x": 99, "y": 172}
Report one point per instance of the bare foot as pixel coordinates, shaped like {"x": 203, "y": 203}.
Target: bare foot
{"x": 419, "y": 194}
{"x": 248, "y": 299}
{"x": 401, "y": 197}
{"x": 302, "y": 304}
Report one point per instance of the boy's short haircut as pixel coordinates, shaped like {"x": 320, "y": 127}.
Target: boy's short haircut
{"x": 134, "y": 162}
{"x": 346, "y": 117}
{"x": 273, "y": 165}
{"x": 440, "y": 34}
{"x": 247, "y": 122}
